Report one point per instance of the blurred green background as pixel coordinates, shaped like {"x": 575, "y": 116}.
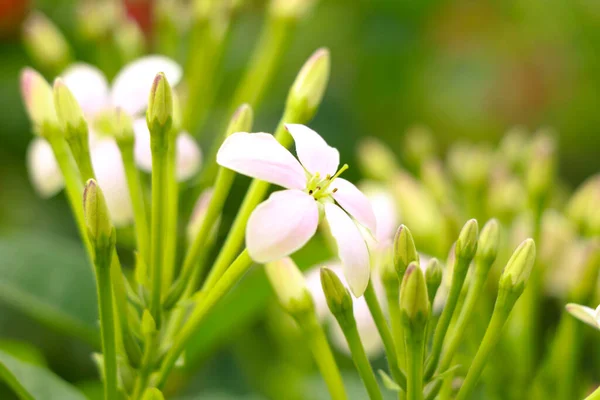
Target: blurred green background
{"x": 466, "y": 69}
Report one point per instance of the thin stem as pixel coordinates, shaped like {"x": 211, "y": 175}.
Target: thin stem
{"x": 393, "y": 301}
{"x": 415, "y": 348}
{"x": 362, "y": 362}
{"x": 386, "y": 336}
{"x": 107, "y": 327}
{"x": 317, "y": 341}
{"x": 204, "y": 304}
{"x": 170, "y": 216}
{"x": 136, "y": 193}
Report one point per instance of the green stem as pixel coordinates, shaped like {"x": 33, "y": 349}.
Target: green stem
{"x": 136, "y": 194}
{"x": 146, "y": 368}
{"x": 170, "y": 216}
{"x": 317, "y": 341}
{"x": 361, "y": 361}
{"x": 490, "y": 339}
{"x": 415, "y": 348}
{"x": 393, "y": 301}
{"x": 386, "y": 336}
{"x": 458, "y": 279}
{"x": 204, "y": 304}
{"x": 107, "y": 326}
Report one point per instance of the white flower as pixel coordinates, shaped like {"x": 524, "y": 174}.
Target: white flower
{"x": 43, "y": 169}
{"x": 585, "y": 314}
{"x": 365, "y": 324}
{"x": 288, "y": 219}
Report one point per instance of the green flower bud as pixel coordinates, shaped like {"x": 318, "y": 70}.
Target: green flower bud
{"x": 419, "y": 145}
{"x": 45, "y": 43}
{"x": 376, "y": 159}
{"x": 307, "y": 91}
{"x": 414, "y": 300}
{"x": 39, "y": 100}
{"x": 101, "y": 231}
{"x": 470, "y": 164}
{"x": 583, "y": 208}
{"x": 433, "y": 277}
{"x": 387, "y": 270}
{"x": 153, "y": 394}
{"x": 466, "y": 245}
{"x": 489, "y": 242}
{"x": 148, "y": 324}
{"x": 541, "y": 168}
{"x": 338, "y": 297}
{"x": 159, "y": 115}
{"x": 289, "y": 285}
{"x": 405, "y": 251}
{"x": 242, "y": 120}
{"x": 519, "y": 266}
{"x": 292, "y": 9}
{"x": 69, "y": 112}
{"x": 122, "y": 127}
{"x": 513, "y": 146}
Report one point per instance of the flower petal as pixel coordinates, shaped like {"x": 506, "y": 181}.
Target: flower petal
{"x": 89, "y": 86}
{"x": 189, "y": 156}
{"x": 110, "y": 174}
{"x": 355, "y": 203}
{"x": 261, "y": 156}
{"x": 142, "y": 150}
{"x": 132, "y": 84}
{"x": 385, "y": 209}
{"x": 313, "y": 152}
{"x": 281, "y": 225}
{"x": 352, "y": 249}
{"x": 584, "y": 314}
{"x": 44, "y": 171}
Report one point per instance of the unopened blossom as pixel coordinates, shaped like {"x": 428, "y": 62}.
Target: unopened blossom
{"x": 288, "y": 219}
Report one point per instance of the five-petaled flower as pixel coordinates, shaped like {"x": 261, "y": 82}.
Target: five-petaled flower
{"x": 288, "y": 219}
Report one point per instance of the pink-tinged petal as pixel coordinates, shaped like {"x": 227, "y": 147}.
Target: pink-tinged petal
{"x": 110, "y": 174}
{"x": 313, "y": 152}
{"x": 281, "y": 225}
{"x": 355, "y": 203}
{"x": 385, "y": 209}
{"x": 43, "y": 169}
{"x": 132, "y": 84}
{"x": 352, "y": 249}
{"x": 89, "y": 86}
{"x": 261, "y": 156}
{"x": 189, "y": 156}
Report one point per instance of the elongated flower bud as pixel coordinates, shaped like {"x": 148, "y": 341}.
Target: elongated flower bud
{"x": 101, "y": 231}
{"x": 160, "y": 105}
{"x": 541, "y": 168}
{"x": 39, "y": 100}
{"x": 519, "y": 266}
{"x": 338, "y": 297}
{"x": 45, "y": 43}
{"x": 69, "y": 112}
{"x": 433, "y": 277}
{"x": 405, "y": 251}
{"x": 414, "y": 301}
{"x": 292, "y": 9}
{"x": 377, "y": 161}
{"x": 289, "y": 285}
{"x": 153, "y": 394}
{"x": 466, "y": 245}
{"x": 489, "y": 242}
{"x": 583, "y": 208}
{"x": 122, "y": 127}
{"x": 307, "y": 91}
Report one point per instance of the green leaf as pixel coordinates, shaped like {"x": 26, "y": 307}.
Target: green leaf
{"x": 49, "y": 279}
{"x": 23, "y": 351}
{"x": 388, "y": 381}
{"x": 446, "y": 373}
{"x": 31, "y": 382}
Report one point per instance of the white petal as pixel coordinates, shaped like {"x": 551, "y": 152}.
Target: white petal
{"x": 132, "y": 84}
{"x": 261, "y": 156}
{"x": 89, "y": 86}
{"x": 584, "y": 314}
{"x": 355, "y": 203}
{"x": 385, "y": 209}
{"x": 43, "y": 169}
{"x": 313, "y": 152}
{"x": 189, "y": 156}
{"x": 142, "y": 150}
{"x": 281, "y": 225}
{"x": 352, "y": 249}
{"x": 110, "y": 174}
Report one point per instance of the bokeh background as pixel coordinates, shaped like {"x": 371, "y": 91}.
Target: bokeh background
{"x": 468, "y": 70}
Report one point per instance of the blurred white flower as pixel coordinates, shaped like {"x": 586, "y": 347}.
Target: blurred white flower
{"x": 585, "y": 314}
{"x": 43, "y": 169}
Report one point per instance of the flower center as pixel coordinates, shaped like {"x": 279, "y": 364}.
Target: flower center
{"x": 319, "y": 187}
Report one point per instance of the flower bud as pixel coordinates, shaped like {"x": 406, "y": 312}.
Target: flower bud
{"x": 419, "y": 145}
{"x": 583, "y": 208}
{"x": 45, "y": 43}
{"x": 466, "y": 245}
{"x": 241, "y": 120}
{"x": 160, "y": 105}
{"x": 39, "y": 100}
{"x": 512, "y": 147}
{"x": 585, "y": 314}
{"x": 541, "y": 168}
{"x": 122, "y": 127}
{"x": 405, "y": 251}
{"x": 290, "y": 8}
{"x": 377, "y": 161}
{"x": 338, "y": 297}
{"x": 433, "y": 277}
{"x": 387, "y": 270}
{"x": 153, "y": 394}
{"x": 289, "y": 285}
{"x": 101, "y": 231}
{"x": 519, "y": 266}
{"x": 470, "y": 164}
{"x": 129, "y": 40}
{"x": 414, "y": 300}
{"x": 68, "y": 111}
{"x": 307, "y": 91}
{"x": 489, "y": 242}
{"x": 148, "y": 324}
